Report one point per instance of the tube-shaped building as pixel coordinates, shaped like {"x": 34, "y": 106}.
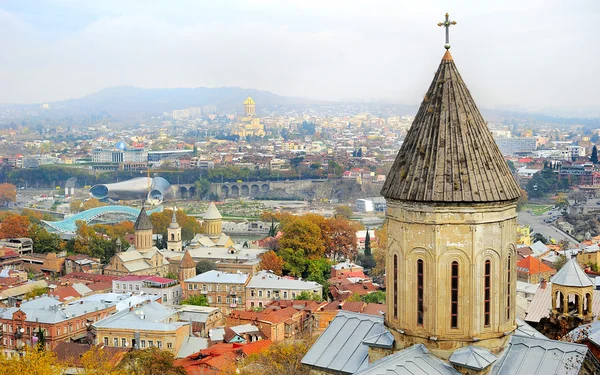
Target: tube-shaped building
{"x": 154, "y": 190}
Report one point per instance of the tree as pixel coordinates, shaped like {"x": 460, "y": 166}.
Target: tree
{"x": 540, "y": 237}
{"x": 97, "y": 361}
{"x": 44, "y": 241}
{"x": 368, "y": 244}
{"x": 367, "y": 261}
{"x": 564, "y": 244}
{"x": 189, "y": 225}
{"x": 197, "y": 300}
{"x": 340, "y": 238}
{"x": 277, "y": 359}
{"x": 294, "y": 261}
{"x": 302, "y": 234}
{"x": 172, "y": 276}
{"x": 522, "y": 201}
{"x": 343, "y": 211}
{"x": 36, "y": 291}
{"x": 35, "y": 217}
{"x": 151, "y": 361}
{"x": 91, "y": 203}
{"x": 205, "y": 266}
{"x": 75, "y": 205}
{"x": 594, "y": 157}
{"x": 375, "y": 297}
{"x": 8, "y": 194}
{"x": 270, "y": 261}
{"x": 309, "y": 296}
{"x": 13, "y": 226}
{"x": 560, "y": 261}
{"x": 35, "y": 362}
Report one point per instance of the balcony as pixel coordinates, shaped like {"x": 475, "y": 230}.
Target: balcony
{"x": 233, "y": 292}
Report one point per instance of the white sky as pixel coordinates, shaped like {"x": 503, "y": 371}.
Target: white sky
{"x": 532, "y": 54}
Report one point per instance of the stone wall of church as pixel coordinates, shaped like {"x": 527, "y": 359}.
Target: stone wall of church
{"x": 439, "y": 235}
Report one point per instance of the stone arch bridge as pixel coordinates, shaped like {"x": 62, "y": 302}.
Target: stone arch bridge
{"x": 257, "y": 188}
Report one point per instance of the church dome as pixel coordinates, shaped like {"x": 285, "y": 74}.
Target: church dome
{"x": 249, "y": 101}
{"x": 121, "y": 145}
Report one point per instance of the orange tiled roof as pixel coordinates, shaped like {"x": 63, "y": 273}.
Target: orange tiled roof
{"x": 533, "y": 266}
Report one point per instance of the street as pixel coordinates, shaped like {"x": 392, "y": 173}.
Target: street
{"x": 538, "y": 226}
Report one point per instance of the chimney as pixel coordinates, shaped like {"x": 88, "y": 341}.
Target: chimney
{"x": 18, "y": 304}
{"x": 543, "y": 284}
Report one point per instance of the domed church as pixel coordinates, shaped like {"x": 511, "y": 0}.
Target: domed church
{"x": 450, "y": 263}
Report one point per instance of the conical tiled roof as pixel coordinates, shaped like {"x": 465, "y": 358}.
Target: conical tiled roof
{"x": 187, "y": 261}
{"x": 449, "y": 155}
{"x": 212, "y": 213}
{"x": 143, "y": 221}
{"x": 571, "y": 274}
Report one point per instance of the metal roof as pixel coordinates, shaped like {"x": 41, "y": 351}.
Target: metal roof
{"x": 49, "y": 310}
{"x": 265, "y": 279}
{"x": 472, "y": 357}
{"x": 589, "y": 332}
{"x": 143, "y": 221}
{"x": 340, "y": 347}
{"x": 151, "y": 316}
{"x": 220, "y": 277}
{"x": 535, "y": 356}
{"x": 415, "y": 360}
{"x": 380, "y": 340}
{"x": 524, "y": 329}
{"x": 571, "y": 274}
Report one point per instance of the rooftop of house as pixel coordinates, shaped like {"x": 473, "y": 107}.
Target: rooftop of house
{"x": 266, "y": 279}
{"x": 220, "y": 277}
{"x": 533, "y": 266}
{"x": 148, "y": 316}
{"x": 571, "y": 274}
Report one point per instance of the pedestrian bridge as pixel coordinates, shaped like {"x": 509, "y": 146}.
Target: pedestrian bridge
{"x": 69, "y": 225}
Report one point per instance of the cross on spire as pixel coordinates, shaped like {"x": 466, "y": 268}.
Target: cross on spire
{"x": 447, "y": 23}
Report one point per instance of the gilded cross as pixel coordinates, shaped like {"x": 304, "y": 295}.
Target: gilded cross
{"x": 447, "y": 23}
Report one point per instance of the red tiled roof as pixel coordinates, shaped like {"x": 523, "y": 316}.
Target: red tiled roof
{"x": 90, "y": 277}
{"x": 134, "y": 277}
{"x": 353, "y": 306}
{"x": 64, "y": 292}
{"x": 373, "y": 309}
{"x": 533, "y": 266}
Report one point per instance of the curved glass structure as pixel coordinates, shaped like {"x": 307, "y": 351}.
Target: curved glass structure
{"x": 154, "y": 190}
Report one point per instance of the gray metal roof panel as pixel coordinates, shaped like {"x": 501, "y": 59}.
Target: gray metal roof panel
{"x": 536, "y": 356}
{"x": 590, "y": 332}
{"x": 340, "y": 346}
{"x": 415, "y": 360}
{"x": 524, "y": 329}
{"x": 381, "y": 340}
{"x": 473, "y": 357}
{"x": 571, "y": 274}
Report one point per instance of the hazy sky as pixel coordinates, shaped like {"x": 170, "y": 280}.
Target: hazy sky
{"x": 519, "y": 54}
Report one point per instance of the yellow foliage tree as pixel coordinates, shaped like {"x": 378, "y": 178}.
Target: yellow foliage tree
{"x": 97, "y": 361}
{"x": 282, "y": 358}
{"x": 8, "y": 194}
{"x": 33, "y": 362}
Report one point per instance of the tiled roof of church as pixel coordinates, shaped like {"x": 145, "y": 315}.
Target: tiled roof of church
{"x": 143, "y": 221}
{"x": 449, "y": 154}
{"x": 187, "y": 261}
{"x": 212, "y": 212}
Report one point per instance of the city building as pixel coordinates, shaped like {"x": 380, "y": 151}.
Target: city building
{"x": 174, "y": 242}
{"x": 146, "y": 325}
{"x": 266, "y": 287}
{"x": 21, "y": 324}
{"x": 168, "y": 290}
{"x": 135, "y": 155}
{"x": 226, "y": 291}
{"x": 514, "y": 146}
{"x": 249, "y": 125}
{"x": 533, "y": 271}
{"x": 19, "y": 245}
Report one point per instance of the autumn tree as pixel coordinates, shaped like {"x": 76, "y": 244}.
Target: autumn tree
{"x": 270, "y": 261}
{"x": 35, "y": 217}
{"x": 340, "y": 238}
{"x": 281, "y": 358}
{"x": 35, "y": 292}
{"x": 8, "y": 194}
{"x": 75, "y": 205}
{"x": 97, "y": 361}
{"x": 343, "y": 211}
{"x": 14, "y": 226}
{"x": 189, "y": 225}
{"x": 151, "y": 361}
{"x": 35, "y": 362}
{"x": 91, "y": 203}
{"x": 302, "y": 234}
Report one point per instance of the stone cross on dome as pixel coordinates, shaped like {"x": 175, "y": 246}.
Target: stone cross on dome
{"x": 447, "y": 23}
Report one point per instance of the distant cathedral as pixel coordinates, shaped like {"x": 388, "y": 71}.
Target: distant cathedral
{"x": 249, "y": 125}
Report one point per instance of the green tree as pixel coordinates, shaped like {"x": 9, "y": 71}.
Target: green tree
{"x": 302, "y": 234}
{"x": 172, "y": 276}
{"x": 375, "y": 297}
{"x": 197, "y": 300}
{"x": 36, "y": 291}
{"x": 368, "y": 244}
{"x": 44, "y": 241}
{"x": 205, "y": 266}
{"x": 594, "y": 157}
{"x": 343, "y": 211}
{"x": 308, "y": 296}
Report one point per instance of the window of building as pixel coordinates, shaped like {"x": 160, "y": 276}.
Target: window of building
{"x": 169, "y": 345}
{"x": 204, "y": 287}
{"x": 164, "y": 298}
{"x": 150, "y": 343}
{"x": 123, "y": 342}
{"x": 118, "y": 286}
{"x": 487, "y": 292}
{"x": 143, "y": 343}
{"x": 218, "y": 287}
{"x": 106, "y": 341}
{"x": 227, "y": 299}
{"x": 268, "y": 294}
{"x": 115, "y": 342}
{"x": 28, "y": 331}
{"x": 420, "y": 292}
{"x": 189, "y": 286}
{"x": 130, "y": 287}
{"x": 218, "y": 299}
{"x": 508, "y": 286}
{"x": 395, "y": 286}
{"x": 210, "y": 287}
{"x": 239, "y": 300}
{"x": 195, "y": 286}
{"x": 284, "y": 295}
{"x": 159, "y": 344}
{"x": 293, "y": 295}
{"x": 260, "y": 293}
{"x": 252, "y": 293}
{"x": 209, "y": 299}
{"x": 454, "y": 296}
{"x": 137, "y": 287}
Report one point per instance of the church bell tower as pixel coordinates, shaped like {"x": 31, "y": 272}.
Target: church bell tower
{"x": 451, "y": 226}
